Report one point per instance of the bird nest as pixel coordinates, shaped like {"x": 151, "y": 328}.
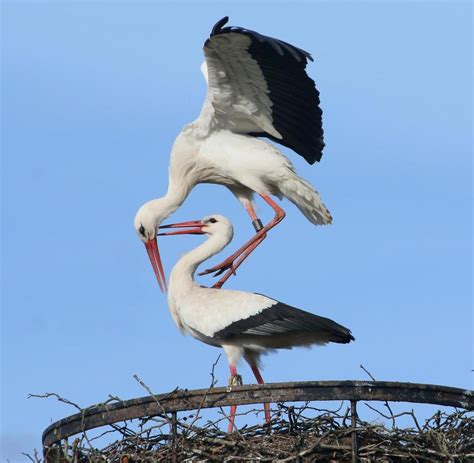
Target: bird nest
{"x": 157, "y": 428}
{"x": 296, "y": 433}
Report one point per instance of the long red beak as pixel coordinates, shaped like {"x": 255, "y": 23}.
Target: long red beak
{"x": 155, "y": 259}
{"x": 193, "y": 227}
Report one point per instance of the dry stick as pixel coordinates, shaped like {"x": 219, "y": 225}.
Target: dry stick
{"x": 75, "y": 456}
{"x": 385, "y": 402}
{"x": 108, "y": 431}
{"x": 35, "y": 460}
{"x": 171, "y": 421}
{"x": 68, "y": 402}
{"x": 65, "y": 454}
{"x": 198, "y": 411}
{"x": 213, "y": 383}
{"x": 235, "y": 427}
{"x": 214, "y": 424}
{"x": 242, "y": 439}
{"x": 307, "y": 451}
{"x": 412, "y": 452}
{"x": 398, "y": 415}
{"x": 57, "y": 396}
{"x": 142, "y": 384}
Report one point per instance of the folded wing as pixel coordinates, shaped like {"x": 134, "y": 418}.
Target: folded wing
{"x": 284, "y": 322}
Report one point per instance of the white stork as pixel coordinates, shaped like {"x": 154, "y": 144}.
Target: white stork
{"x": 257, "y": 87}
{"x": 244, "y": 324}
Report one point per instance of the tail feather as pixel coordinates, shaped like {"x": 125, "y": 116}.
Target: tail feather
{"x": 306, "y": 199}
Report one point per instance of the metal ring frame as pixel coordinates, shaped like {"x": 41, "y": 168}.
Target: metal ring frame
{"x": 183, "y": 400}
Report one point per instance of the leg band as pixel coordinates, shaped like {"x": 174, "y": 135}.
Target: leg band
{"x": 257, "y": 224}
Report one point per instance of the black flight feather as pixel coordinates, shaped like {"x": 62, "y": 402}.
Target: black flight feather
{"x": 295, "y": 99}
{"x": 281, "y": 318}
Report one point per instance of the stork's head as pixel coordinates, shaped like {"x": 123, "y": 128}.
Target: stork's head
{"x": 216, "y": 226}
{"x": 219, "y": 225}
{"x": 147, "y": 220}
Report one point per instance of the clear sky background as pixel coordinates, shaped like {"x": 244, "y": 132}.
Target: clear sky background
{"x": 93, "y": 94}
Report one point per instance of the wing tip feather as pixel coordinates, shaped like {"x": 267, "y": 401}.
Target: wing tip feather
{"x": 218, "y": 25}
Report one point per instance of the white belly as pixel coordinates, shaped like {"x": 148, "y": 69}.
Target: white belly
{"x": 230, "y": 159}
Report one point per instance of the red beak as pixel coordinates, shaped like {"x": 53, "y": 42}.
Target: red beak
{"x": 155, "y": 259}
{"x": 193, "y": 227}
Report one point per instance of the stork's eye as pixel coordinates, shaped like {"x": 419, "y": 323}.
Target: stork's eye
{"x": 212, "y": 220}
{"x": 141, "y": 230}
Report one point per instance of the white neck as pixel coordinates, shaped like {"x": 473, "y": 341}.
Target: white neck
{"x": 182, "y": 275}
{"x": 177, "y": 193}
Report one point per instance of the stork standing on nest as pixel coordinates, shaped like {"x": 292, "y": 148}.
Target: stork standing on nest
{"x": 243, "y": 324}
{"x": 257, "y": 87}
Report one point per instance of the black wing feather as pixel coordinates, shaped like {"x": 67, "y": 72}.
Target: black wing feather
{"x": 281, "y": 318}
{"x": 296, "y": 113}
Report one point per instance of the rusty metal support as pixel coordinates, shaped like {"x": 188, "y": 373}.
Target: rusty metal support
{"x": 174, "y": 436}
{"x": 355, "y": 443}
{"x": 180, "y": 400}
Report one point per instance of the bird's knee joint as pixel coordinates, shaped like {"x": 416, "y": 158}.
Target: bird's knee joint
{"x": 280, "y": 216}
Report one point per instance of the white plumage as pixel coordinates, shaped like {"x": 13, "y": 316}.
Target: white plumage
{"x": 244, "y": 324}
{"x": 257, "y": 87}
{"x": 237, "y": 96}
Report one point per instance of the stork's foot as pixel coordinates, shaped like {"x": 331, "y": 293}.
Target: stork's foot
{"x": 220, "y": 268}
{"x": 233, "y": 261}
{"x": 234, "y": 380}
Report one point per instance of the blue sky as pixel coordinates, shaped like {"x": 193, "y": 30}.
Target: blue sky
{"x": 93, "y": 95}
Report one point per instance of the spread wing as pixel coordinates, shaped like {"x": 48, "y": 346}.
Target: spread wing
{"x": 258, "y": 85}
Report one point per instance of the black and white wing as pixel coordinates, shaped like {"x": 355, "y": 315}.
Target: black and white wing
{"x": 287, "y": 324}
{"x": 258, "y": 85}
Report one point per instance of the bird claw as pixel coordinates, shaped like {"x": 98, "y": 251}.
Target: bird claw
{"x": 219, "y": 270}
{"x": 208, "y": 271}
{"x": 234, "y": 381}
{"x": 222, "y": 270}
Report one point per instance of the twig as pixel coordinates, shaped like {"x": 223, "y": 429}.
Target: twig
{"x": 57, "y": 396}
{"x": 142, "y": 384}
{"x": 385, "y": 402}
{"x": 213, "y": 383}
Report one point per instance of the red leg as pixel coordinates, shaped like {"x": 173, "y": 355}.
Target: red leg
{"x": 256, "y": 222}
{"x": 280, "y": 213}
{"x": 228, "y": 264}
{"x": 259, "y": 379}
{"x": 251, "y": 212}
{"x": 233, "y": 408}
{"x": 237, "y": 263}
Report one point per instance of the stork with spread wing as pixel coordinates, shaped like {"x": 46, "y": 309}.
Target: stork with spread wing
{"x": 257, "y": 88}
